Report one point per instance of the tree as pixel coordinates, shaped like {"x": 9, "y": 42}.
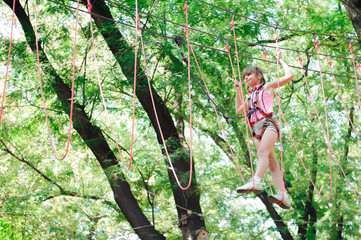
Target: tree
{"x": 75, "y": 200}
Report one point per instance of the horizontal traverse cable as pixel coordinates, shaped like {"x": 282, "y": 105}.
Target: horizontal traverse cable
{"x": 224, "y": 38}
{"x": 196, "y": 44}
{"x": 275, "y": 26}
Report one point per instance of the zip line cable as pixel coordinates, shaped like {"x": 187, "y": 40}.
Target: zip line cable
{"x": 202, "y": 46}
{"x": 327, "y": 133}
{"x": 276, "y": 26}
{"x": 196, "y": 44}
{"x": 224, "y": 38}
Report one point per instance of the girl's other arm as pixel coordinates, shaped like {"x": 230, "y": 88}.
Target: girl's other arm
{"x": 289, "y": 75}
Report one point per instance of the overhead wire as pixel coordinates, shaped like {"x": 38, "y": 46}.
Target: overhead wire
{"x": 190, "y": 43}
{"x": 224, "y": 38}
{"x": 203, "y": 46}
{"x": 276, "y": 26}
{"x": 237, "y": 55}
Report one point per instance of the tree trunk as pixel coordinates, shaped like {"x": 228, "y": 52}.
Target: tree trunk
{"x": 310, "y": 214}
{"x": 281, "y": 226}
{"x": 353, "y": 9}
{"x": 93, "y": 137}
{"x": 336, "y": 228}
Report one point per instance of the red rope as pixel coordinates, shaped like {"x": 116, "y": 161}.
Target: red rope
{"x": 72, "y": 86}
{"x": 101, "y": 89}
{"x": 353, "y": 127}
{"x": 189, "y": 90}
{"x": 299, "y": 156}
{"x": 8, "y": 62}
{"x": 324, "y": 132}
{"x": 279, "y": 114}
{"x": 343, "y": 103}
{"x": 326, "y": 115}
{"x": 242, "y": 97}
{"x": 215, "y": 110}
{"x": 135, "y": 79}
{"x": 280, "y": 111}
{"x": 354, "y": 67}
{"x": 159, "y": 126}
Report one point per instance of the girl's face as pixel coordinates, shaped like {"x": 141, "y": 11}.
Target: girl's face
{"x": 252, "y": 80}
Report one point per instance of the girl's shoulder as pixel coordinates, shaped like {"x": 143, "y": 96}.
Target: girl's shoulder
{"x": 268, "y": 88}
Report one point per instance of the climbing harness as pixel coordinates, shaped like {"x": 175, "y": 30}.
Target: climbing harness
{"x": 253, "y": 101}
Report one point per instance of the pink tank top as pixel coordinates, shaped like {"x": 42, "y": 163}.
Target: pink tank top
{"x": 265, "y": 102}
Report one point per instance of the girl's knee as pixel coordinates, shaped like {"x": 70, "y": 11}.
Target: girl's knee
{"x": 262, "y": 154}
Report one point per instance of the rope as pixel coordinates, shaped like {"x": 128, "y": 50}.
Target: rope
{"x": 354, "y": 67}
{"x": 203, "y": 46}
{"x": 219, "y": 37}
{"x": 72, "y": 86}
{"x": 326, "y": 115}
{"x": 324, "y": 132}
{"x": 219, "y": 120}
{"x": 279, "y": 110}
{"x": 275, "y": 27}
{"x": 279, "y": 113}
{"x": 242, "y": 97}
{"x": 101, "y": 89}
{"x": 135, "y": 79}
{"x": 186, "y": 32}
{"x": 343, "y": 103}
{"x": 8, "y": 62}
{"x": 158, "y": 123}
{"x": 207, "y": 93}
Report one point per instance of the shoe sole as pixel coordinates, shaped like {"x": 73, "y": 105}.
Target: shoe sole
{"x": 271, "y": 199}
{"x": 256, "y": 191}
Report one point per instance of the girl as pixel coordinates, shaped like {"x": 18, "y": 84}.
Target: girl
{"x": 265, "y": 128}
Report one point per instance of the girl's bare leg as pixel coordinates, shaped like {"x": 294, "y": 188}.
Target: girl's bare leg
{"x": 274, "y": 168}
{"x": 264, "y": 152}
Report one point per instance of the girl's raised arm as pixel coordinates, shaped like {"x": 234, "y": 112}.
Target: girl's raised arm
{"x": 289, "y": 75}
